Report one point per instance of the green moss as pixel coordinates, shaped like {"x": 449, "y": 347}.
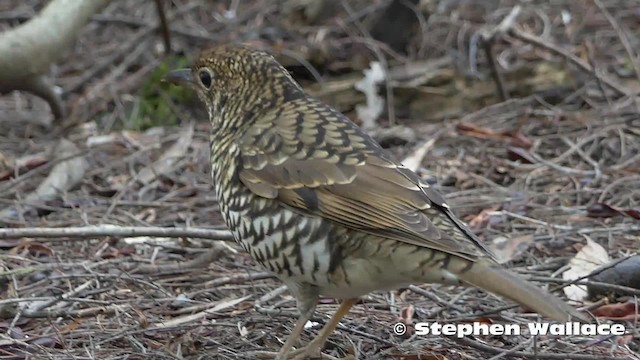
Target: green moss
{"x": 153, "y": 109}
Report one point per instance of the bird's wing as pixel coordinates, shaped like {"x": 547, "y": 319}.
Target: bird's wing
{"x": 316, "y": 161}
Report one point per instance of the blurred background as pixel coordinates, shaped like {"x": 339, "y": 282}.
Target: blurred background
{"x": 524, "y": 113}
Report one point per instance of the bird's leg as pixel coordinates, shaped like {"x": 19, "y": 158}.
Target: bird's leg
{"x": 306, "y": 306}
{"x": 313, "y": 349}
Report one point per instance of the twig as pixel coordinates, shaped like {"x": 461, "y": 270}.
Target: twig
{"x": 116, "y": 231}
{"x": 210, "y": 309}
{"x": 574, "y": 147}
{"x": 40, "y": 170}
{"x": 304, "y": 62}
{"x": 164, "y": 26}
{"x": 488, "y": 38}
{"x": 436, "y": 299}
{"x": 122, "y": 51}
{"x": 70, "y": 314}
{"x": 532, "y": 39}
{"x": 563, "y": 169}
{"x": 592, "y": 63}
{"x": 538, "y": 356}
{"x": 531, "y": 220}
{"x": 513, "y": 349}
{"x": 200, "y": 261}
{"x": 240, "y": 278}
{"x": 622, "y": 35}
{"x": 626, "y": 289}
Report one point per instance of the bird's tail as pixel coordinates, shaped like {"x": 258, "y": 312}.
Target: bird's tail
{"x": 492, "y": 278}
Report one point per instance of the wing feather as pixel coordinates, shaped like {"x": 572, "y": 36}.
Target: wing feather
{"x": 317, "y": 162}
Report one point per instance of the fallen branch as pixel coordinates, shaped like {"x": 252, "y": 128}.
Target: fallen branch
{"x": 115, "y": 231}
{"x": 28, "y": 50}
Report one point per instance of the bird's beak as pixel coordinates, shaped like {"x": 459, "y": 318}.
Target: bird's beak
{"x": 179, "y": 77}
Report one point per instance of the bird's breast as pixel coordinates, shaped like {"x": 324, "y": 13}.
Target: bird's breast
{"x": 303, "y": 248}
{"x": 281, "y": 240}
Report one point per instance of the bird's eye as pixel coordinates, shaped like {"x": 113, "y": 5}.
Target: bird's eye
{"x": 205, "y": 78}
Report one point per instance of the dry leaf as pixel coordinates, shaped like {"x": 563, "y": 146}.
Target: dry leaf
{"x": 71, "y": 326}
{"x": 406, "y": 314}
{"x": 108, "y": 139}
{"x": 310, "y": 324}
{"x": 506, "y": 249}
{"x": 589, "y": 258}
{"x": 624, "y": 340}
{"x": 482, "y": 219}
{"x": 34, "y": 248}
{"x": 166, "y": 162}
{"x": 23, "y": 165}
{"x": 243, "y": 330}
{"x": 414, "y": 159}
{"x": 628, "y": 310}
{"x": 515, "y": 138}
{"x": 602, "y": 210}
{"x": 64, "y": 176}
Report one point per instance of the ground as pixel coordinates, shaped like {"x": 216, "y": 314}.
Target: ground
{"x": 540, "y": 169}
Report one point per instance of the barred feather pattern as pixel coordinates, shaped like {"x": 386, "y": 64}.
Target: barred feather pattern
{"x": 311, "y": 251}
{"x": 319, "y": 203}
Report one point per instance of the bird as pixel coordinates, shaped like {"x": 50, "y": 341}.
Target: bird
{"x": 318, "y": 202}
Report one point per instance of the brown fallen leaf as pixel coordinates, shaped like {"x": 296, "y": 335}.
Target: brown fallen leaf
{"x": 406, "y": 314}
{"x": 514, "y": 137}
{"x": 166, "y": 162}
{"x": 507, "y": 249}
{"x": 63, "y": 176}
{"x": 35, "y": 249}
{"x": 481, "y": 320}
{"x": 602, "y": 210}
{"x": 24, "y": 165}
{"x": 481, "y": 219}
{"x": 70, "y": 326}
{"x": 619, "y": 311}
{"x": 624, "y": 340}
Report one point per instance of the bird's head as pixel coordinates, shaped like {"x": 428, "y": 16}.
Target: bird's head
{"x": 236, "y": 81}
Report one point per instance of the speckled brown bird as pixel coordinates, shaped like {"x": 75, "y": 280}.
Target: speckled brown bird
{"x": 319, "y": 203}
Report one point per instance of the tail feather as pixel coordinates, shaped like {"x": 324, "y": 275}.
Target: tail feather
{"x": 501, "y": 282}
